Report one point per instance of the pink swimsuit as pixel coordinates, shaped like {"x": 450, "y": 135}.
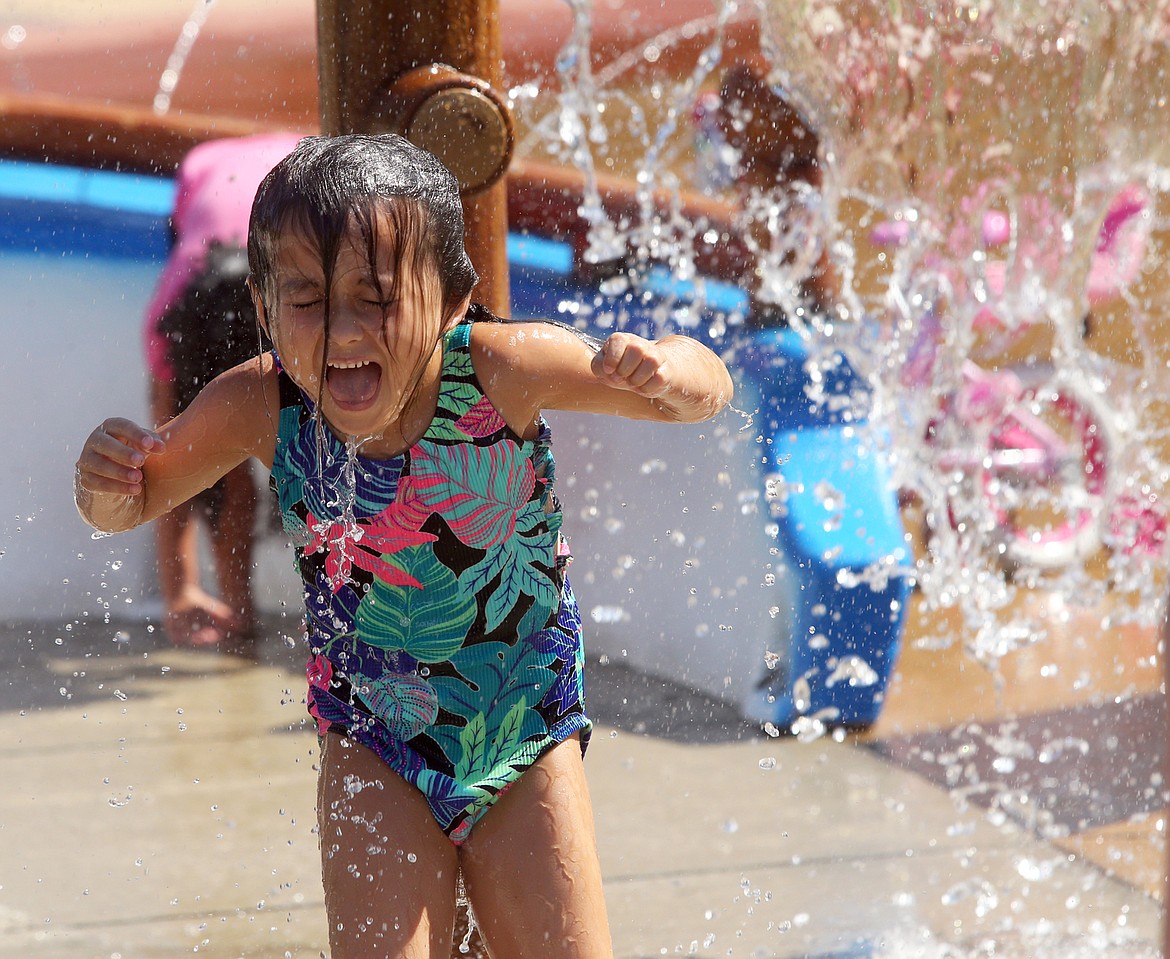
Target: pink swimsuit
{"x": 214, "y": 189}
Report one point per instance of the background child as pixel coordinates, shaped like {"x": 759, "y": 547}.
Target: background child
{"x": 404, "y": 432}
{"x": 776, "y": 163}
{"x": 200, "y": 322}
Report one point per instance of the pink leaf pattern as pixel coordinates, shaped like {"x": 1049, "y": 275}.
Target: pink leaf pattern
{"x": 411, "y": 511}
{"x": 348, "y": 544}
{"x": 319, "y": 672}
{"x": 481, "y": 420}
{"x": 478, "y": 490}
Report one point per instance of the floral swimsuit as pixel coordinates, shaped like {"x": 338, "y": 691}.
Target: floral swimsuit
{"x": 443, "y": 633}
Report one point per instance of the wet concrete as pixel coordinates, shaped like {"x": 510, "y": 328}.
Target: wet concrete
{"x": 160, "y": 801}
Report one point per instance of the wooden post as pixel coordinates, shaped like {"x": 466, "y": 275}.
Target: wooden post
{"x": 364, "y": 46}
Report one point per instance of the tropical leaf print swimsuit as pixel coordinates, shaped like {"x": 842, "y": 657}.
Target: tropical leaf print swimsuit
{"x": 443, "y": 633}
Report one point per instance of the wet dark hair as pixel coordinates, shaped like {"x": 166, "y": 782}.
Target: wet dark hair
{"x": 329, "y": 184}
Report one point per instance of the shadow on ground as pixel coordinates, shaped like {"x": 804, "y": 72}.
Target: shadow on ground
{"x": 50, "y": 664}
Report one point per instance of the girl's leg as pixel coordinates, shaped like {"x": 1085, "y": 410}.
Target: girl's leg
{"x": 388, "y": 870}
{"x": 232, "y": 542}
{"x": 531, "y": 867}
{"x": 193, "y": 617}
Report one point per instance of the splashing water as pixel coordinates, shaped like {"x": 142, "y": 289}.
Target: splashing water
{"x": 989, "y": 207}
{"x": 580, "y": 129}
{"x": 990, "y": 173}
{"x": 178, "y": 58}
{"x": 976, "y": 157}
{"x": 463, "y": 903}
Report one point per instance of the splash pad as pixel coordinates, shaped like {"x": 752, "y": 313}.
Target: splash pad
{"x": 986, "y": 903}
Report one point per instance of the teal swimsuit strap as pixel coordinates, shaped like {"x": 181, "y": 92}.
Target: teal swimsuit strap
{"x": 458, "y": 338}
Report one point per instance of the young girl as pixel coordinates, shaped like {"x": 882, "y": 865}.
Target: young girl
{"x": 404, "y": 433}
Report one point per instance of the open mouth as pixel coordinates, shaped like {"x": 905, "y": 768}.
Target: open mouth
{"x": 353, "y": 384}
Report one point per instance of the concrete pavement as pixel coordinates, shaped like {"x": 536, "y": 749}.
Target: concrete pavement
{"x": 160, "y": 802}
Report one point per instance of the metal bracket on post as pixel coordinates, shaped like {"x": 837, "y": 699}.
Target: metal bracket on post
{"x": 455, "y": 116}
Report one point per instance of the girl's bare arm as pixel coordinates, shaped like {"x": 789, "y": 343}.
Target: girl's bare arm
{"x": 127, "y": 475}
{"x": 527, "y": 367}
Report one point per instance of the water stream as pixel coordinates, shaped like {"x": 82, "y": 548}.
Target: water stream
{"x": 185, "y": 42}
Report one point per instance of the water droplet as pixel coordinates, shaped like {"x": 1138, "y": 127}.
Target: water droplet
{"x": 608, "y": 614}
{"x": 801, "y": 695}
{"x": 854, "y": 671}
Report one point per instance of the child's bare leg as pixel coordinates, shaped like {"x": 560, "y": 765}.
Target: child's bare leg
{"x": 531, "y": 867}
{"x": 231, "y": 542}
{"x": 389, "y": 871}
{"x": 192, "y": 617}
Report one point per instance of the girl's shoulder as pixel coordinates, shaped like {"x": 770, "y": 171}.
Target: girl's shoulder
{"x": 280, "y": 386}
{"x": 514, "y": 340}
{"x": 522, "y": 366}
{"x": 254, "y": 381}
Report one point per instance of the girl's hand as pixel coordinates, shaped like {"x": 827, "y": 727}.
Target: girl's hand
{"x": 128, "y": 475}
{"x": 111, "y": 459}
{"x": 629, "y": 362}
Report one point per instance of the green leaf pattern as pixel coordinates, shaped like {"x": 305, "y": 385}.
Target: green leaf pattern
{"x": 516, "y": 562}
{"x": 499, "y": 682}
{"x": 489, "y": 762}
{"x": 407, "y": 704}
{"x": 429, "y": 624}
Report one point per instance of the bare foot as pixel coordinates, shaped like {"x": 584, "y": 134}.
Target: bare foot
{"x": 196, "y": 618}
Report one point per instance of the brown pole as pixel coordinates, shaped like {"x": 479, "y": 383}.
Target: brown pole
{"x": 365, "y": 45}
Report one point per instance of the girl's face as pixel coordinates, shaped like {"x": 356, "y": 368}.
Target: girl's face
{"x": 383, "y": 336}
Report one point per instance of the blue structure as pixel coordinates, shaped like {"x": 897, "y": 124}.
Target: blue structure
{"x": 837, "y": 518}
{"x": 828, "y": 495}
